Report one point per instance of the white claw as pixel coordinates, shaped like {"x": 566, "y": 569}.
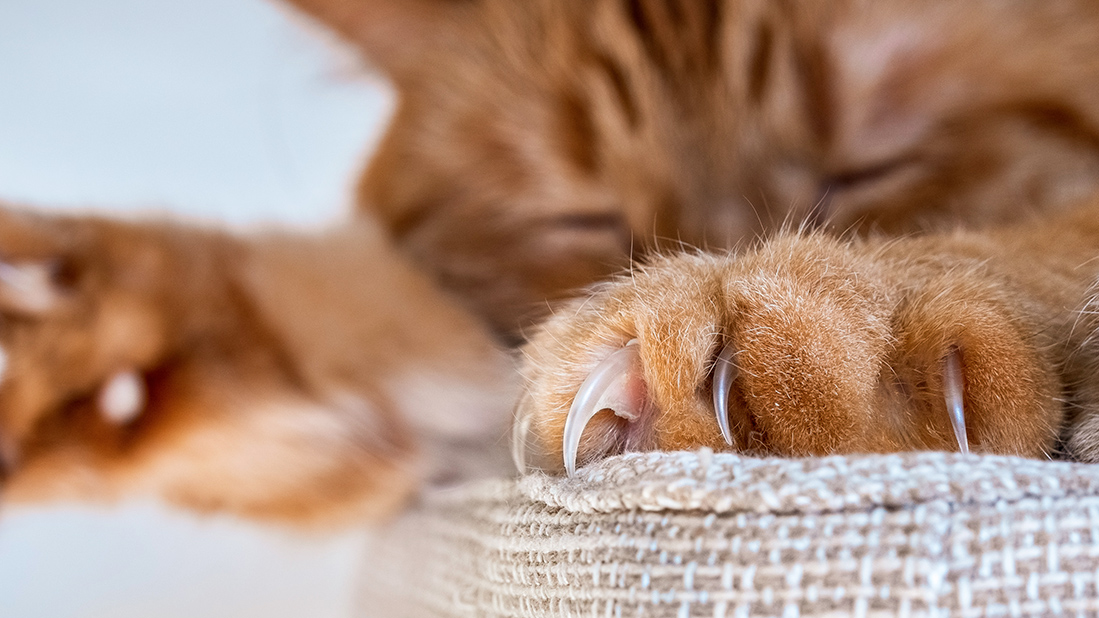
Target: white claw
{"x": 520, "y": 432}
{"x": 953, "y": 388}
{"x": 724, "y": 374}
{"x": 599, "y": 392}
{"x": 122, "y": 398}
{"x": 28, "y": 287}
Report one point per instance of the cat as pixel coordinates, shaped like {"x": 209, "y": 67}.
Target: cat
{"x": 538, "y": 149}
{"x": 580, "y": 136}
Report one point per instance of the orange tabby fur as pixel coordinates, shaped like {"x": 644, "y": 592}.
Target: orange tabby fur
{"x": 539, "y": 147}
{"x": 275, "y": 389}
{"x": 840, "y": 345}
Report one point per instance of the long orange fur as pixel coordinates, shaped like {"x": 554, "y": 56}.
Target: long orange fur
{"x": 543, "y": 146}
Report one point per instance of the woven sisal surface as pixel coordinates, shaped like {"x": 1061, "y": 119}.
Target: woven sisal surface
{"x": 691, "y": 535}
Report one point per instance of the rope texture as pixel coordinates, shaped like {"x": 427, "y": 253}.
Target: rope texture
{"x": 688, "y": 535}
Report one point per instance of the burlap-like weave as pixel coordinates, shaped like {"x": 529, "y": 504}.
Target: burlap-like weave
{"x": 700, "y": 534}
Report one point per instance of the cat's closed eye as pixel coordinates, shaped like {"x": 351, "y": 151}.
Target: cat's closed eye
{"x": 588, "y": 222}
{"x": 869, "y": 174}
{"x": 603, "y": 237}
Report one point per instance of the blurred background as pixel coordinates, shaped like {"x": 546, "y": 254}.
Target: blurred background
{"x": 219, "y": 110}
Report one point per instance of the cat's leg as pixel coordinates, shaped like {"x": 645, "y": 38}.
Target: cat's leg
{"x": 810, "y": 346}
{"x": 291, "y": 377}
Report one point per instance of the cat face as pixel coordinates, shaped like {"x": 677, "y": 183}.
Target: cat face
{"x": 539, "y": 145}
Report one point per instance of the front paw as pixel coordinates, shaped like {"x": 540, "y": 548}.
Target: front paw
{"x": 805, "y": 347}
{"x": 79, "y": 321}
{"x": 261, "y": 375}
{"x": 128, "y": 359}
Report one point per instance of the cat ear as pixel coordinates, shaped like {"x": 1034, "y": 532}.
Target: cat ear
{"x": 394, "y": 34}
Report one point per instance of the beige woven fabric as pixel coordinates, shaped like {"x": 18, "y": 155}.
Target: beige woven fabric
{"x": 700, "y": 534}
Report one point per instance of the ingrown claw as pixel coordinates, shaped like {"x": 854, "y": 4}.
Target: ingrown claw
{"x": 607, "y": 387}
{"x": 724, "y": 374}
{"x": 954, "y": 389}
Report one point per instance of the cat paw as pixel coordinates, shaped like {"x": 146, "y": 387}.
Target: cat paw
{"x": 261, "y": 375}
{"x": 78, "y": 323}
{"x": 808, "y": 346}
{"x": 138, "y": 360}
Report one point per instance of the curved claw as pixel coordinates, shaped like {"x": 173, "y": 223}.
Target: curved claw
{"x": 122, "y": 398}
{"x": 724, "y": 374}
{"x": 520, "y": 430}
{"x": 27, "y": 288}
{"x": 595, "y": 394}
{"x": 954, "y": 389}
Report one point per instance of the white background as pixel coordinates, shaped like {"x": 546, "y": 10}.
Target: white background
{"x": 225, "y": 110}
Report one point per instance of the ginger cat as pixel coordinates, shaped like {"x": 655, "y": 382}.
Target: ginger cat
{"x": 540, "y": 147}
